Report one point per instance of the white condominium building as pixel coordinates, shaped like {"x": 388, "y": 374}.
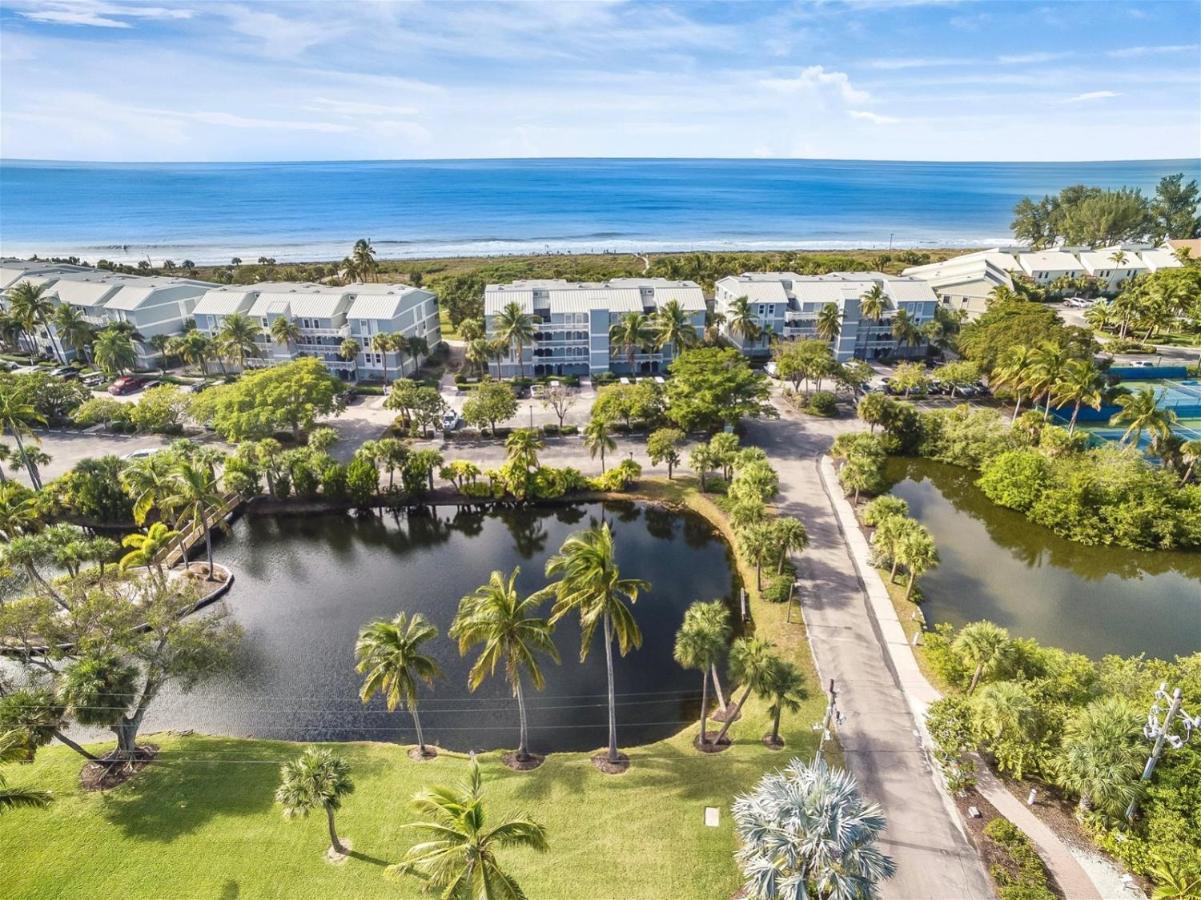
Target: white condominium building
{"x": 1112, "y": 266}
{"x": 1160, "y": 258}
{"x": 572, "y": 321}
{"x": 1045, "y": 266}
{"x": 150, "y": 305}
{"x": 788, "y": 305}
{"x": 966, "y": 282}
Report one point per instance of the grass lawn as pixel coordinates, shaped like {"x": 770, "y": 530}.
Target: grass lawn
{"x": 201, "y": 821}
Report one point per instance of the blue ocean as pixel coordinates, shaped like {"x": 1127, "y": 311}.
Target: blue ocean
{"x": 210, "y": 212}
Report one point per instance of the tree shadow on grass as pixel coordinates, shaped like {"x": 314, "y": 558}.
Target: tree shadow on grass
{"x": 191, "y": 782}
{"x": 372, "y": 860}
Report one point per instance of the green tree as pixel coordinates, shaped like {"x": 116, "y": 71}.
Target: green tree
{"x": 710, "y": 387}
{"x": 363, "y": 257}
{"x": 1175, "y": 208}
{"x": 147, "y": 548}
{"x": 114, "y": 352}
{"x": 318, "y": 779}
{"x": 194, "y": 348}
{"x": 790, "y": 536}
{"x": 758, "y": 544}
{"x": 741, "y": 320}
{"x": 598, "y": 440}
{"x": 30, "y": 305}
{"x": 829, "y": 322}
{"x": 195, "y": 498}
{"x": 238, "y": 338}
{"x": 590, "y": 584}
{"x": 384, "y": 343}
{"x": 17, "y": 418}
{"x": 786, "y": 689}
{"x": 1080, "y": 384}
{"x": 496, "y": 616}
{"x": 873, "y": 409}
{"x": 909, "y": 376}
{"x": 1103, "y": 755}
{"x": 1139, "y": 412}
{"x": 700, "y": 643}
{"x": 663, "y": 446}
{"x": 490, "y": 403}
{"x": 459, "y": 862}
{"x": 702, "y": 460}
{"x": 392, "y": 662}
{"x": 290, "y": 396}
{"x": 874, "y": 303}
{"x": 752, "y": 660}
{"x": 1004, "y": 716}
{"x": 285, "y": 331}
{"x": 349, "y": 349}
{"x": 13, "y": 749}
{"x": 516, "y": 328}
{"x": 982, "y": 646}
{"x": 673, "y": 328}
{"x": 919, "y": 554}
{"x": 1047, "y": 366}
{"x": 904, "y": 330}
{"x": 631, "y": 333}
{"x": 1012, "y": 372}
{"x": 73, "y": 329}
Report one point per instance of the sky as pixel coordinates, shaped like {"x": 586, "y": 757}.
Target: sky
{"x": 206, "y": 80}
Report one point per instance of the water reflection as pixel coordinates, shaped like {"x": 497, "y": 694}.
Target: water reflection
{"x": 998, "y": 565}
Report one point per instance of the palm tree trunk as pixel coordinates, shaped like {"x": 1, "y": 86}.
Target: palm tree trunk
{"x": 1075, "y": 415}
{"x": 912, "y": 582}
{"x": 333, "y": 834}
{"x": 1016, "y": 409}
{"x": 74, "y": 746}
{"x": 523, "y": 752}
{"x": 759, "y": 573}
{"x": 29, "y": 464}
{"x": 976, "y": 678}
{"x": 730, "y": 717}
{"x": 612, "y": 697}
{"x": 208, "y": 547}
{"x": 892, "y": 573}
{"x": 420, "y": 736}
{"x": 721, "y": 696}
{"x": 704, "y": 706}
{"x": 775, "y": 722}
{"x": 602, "y": 449}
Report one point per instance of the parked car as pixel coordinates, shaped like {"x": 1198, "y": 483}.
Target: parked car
{"x": 141, "y": 454}
{"x": 94, "y": 380}
{"x": 450, "y": 420}
{"x": 127, "y": 384}
{"x": 1142, "y": 364}
{"x": 199, "y": 386}
{"x": 68, "y": 372}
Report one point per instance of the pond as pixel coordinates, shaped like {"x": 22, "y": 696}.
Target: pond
{"x": 998, "y": 565}
{"x": 306, "y": 585}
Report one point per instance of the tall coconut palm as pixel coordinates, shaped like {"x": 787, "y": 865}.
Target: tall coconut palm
{"x": 150, "y": 482}
{"x": 195, "y": 498}
{"x": 477, "y": 353}
{"x": 516, "y": 329}
{"x": 673, "y": 328}
{"x": 17, "y": 417}
{"x": 1139, "y": 412}
{"x": 700, "y": 642}
{"x": 598, "y": 440}
{"x": 789, "y": 536}
{"x": 919, "y": 554}
{"x": 30, "y": 305}
{"x": 806, "y": 832}
{"x": 631, "y": 333}
{"x": 1047, "y": 367}
{"x": 363, "y": 256}
{"x": 1011, "y": 372}
{"x": 904, "y": 330}
{"x": 1079, "y": 385}
{"x": 318, "y": 779}
{"x": 13, "y": 748}
{"x": 751, "y": 661}
{"x": 459, "y": 862}
{"x": 983, "y": 647}
{"x": 285, "y": 331}
{"x": 146, "y": 549}
{"x": 874, "y": 303}
{"x": 741, "y": 320}
{"x": 384, "y": 343}
{"x": 829, "y": 322}
{"x": 238, "y": 338}
{"x": 758, "y": 544}
{"x": 349, "y": 349}
{"x": 1103, "y": 755}
{"x": 590, "y": 584}
{"x": 73, "y": 329}
{"x": 498, "y": 617}
{"x": 785, "y": 689}
{"x": 391, "y": 660}
{"x": 521, "y": 448}
{"x": 114, "y": 351}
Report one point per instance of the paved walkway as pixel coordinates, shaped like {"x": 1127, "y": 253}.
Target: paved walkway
{"x": 880, "y": 737}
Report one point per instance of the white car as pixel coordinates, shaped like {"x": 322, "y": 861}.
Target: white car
{"x": 450, "y": 420}
{"x": 141, "y": 454}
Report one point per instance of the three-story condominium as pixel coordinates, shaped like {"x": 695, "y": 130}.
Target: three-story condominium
{"x": 149, "y": 305}
{"x": 572, "y": 323}
{"x": 788, "y": 305}
{"x": 967, "y": 282}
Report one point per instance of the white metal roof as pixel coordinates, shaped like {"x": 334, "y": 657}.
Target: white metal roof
{"x": 222, "y": 302}
{"x": 579, "y": 300}
{"x": 1095, "y": 260}
{"x": 756, "y": 290}
{"x": 691, "y": 299}
{"x": 497, "y": 297}
{"x": 909, "y": 290}
{"x": 375, "y": 303}
{"x": 84, "y": 293}
{"x": 1160, "y": 258}
{"x": 1049, "y": 261}
{"x": 305, "y": 300}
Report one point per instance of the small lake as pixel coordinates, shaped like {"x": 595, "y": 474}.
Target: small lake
{"x": 998, "y": 565}
{"x": 306, "y": 585}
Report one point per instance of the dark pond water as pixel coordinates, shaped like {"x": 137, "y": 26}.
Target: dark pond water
{"x": 998, "y": 565}
{"x": 304, "y": 587}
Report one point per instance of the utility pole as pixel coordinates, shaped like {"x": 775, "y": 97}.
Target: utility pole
{"x": 1161, "y": 733}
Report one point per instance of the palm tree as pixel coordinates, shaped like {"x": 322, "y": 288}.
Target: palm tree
{"x": 590, "y": 584}
{"x": 1047, "y": 367}
{"x": 632, "y": 332}
{"x": 758, "y": 544}
{"x": 383, "y": 343}
{"x": 751, "y": 661}
{"x": 919, "y": 554}
{"x": 194, "y": 495}
{"x": 1119, "y": 257}
{"x": 1011, "y": 372}
{"x": 1079, "y": 385}
{"x": 163, "y": 346}
{"x": 349, "y": 349}
{"x": 1103, "y": 756}
{"x": 904, "y": 330}
{"x": 807, "y": 829}
{"x": 477, "y": 353}
{"x": 147, "y": 549}
{"x": 786, "y": 689}
{"x": 19, "y": 512}
{"x": 789, "y": 536}
{"x": 983, "y": 646}
{"x": 285, "y": 331}
{"x": 416, "y": 346}
{"x": 673, "y": 328}
{"x": 317, "y": 779}
{"x": 496, "y": 615}
{"x": 17, "y": 418}
{"x": 700, "y": 642}
{"x": 73, "y": 329}
{"x": 459, "y": 861}
{"x": 1139, "y": 412}
{"x": 597, "y": 439}
{"x": 13, "y": 748}
{"x": 150, "y": 482}
{"x": 30, "y": 306}
{"x": 237, "y": 338}
{"x": 390, "y": 658}
{"x": 114, "y": 351}
{"x": 874, "y": 303}
{"x": 363, "y": 256}
{"x": 515, "y": 328}
{"x": 740, "y": 319}
{"x": 1005, "y": 716}
{"x": 521, "y": 448}
{"x": 1190, "y": 452}
{"x": 829, "y": 322}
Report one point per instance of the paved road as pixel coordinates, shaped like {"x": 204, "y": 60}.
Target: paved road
{"x": 879, "y": 737}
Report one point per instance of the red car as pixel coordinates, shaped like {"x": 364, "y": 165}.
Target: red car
{"x": 127, "y": 384}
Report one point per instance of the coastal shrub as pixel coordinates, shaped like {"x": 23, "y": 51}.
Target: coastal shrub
{"x": 883, "y": 507}
{"x": 949, "y": 721}
{"x": 102, "y": 411}
{"x": 482, "y": 490}
{"x": 1015, "y": 478}
{"x": 618, "y": 478}
{"x": 160, "y": 410}
{"x": 1024, "y": 878}
{"x": 822, "y": 403}
{"x": 333, "y": 481}
{"x": 777, "y": 589}
{"x": 92, "y": 492}
{"x": 963, "y": 436}
{"x": 241, "y": 476}
{"x": 362, "y": 481}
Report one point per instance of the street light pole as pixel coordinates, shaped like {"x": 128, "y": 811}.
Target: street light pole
{"x": 832, "y": 717}
{"x": 1161, "y": 733}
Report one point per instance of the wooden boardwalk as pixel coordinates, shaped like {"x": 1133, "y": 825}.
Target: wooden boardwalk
{"x": 179, "y": 550}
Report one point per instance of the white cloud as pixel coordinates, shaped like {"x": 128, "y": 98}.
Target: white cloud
{"x": 95, "y": 14}
{"x": 282, "y": 37}
{"x": 232, "y": 120}
{"x": 1090, "y": 96}
{"x": 919, "y": 62}
{"x": 874, "y": 118}
{"x": 1133, "y": 52}
{"x": 1028, "y": 58}
{"x": 814, "y": 80}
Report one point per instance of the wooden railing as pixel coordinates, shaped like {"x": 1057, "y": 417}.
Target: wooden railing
{"x": 179, "y": 549}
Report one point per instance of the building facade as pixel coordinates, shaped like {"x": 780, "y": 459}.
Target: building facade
{"x": 789, "y": 305}
{"x": 573, "y": 322}
{"x": 965, "y": 283}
